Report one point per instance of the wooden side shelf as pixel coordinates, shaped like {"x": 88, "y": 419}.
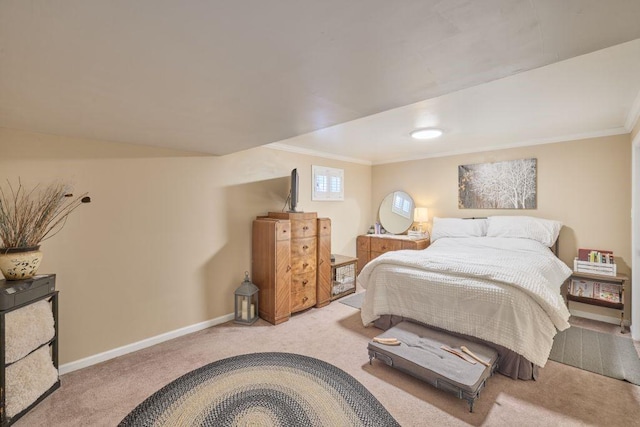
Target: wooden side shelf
{"x": 595, "y": 301}
{"x": 343, "y": 272}
{"x": 618, "y": 280}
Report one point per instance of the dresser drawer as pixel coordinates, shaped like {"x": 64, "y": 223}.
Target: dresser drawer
{"x": 415, "y": 244}
{"x": 363, "y": 243}
{"x": 303, "y": 298}
{"x": 324, "y": 226}
{"x": 283, "y": 230}
{"x": 300, "y": 282}
{"x": 303, "y": 228}
{"x": 306, "y": 264}
{"x": 385, "y": 245}
{"x": 302, "y": 248}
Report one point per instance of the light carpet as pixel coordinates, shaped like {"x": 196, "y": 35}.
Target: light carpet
{"x": 262, "y": 389}
{"x": 604, "y": 354}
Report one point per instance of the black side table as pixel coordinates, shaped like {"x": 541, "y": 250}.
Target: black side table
{"x": 16, "y": 294}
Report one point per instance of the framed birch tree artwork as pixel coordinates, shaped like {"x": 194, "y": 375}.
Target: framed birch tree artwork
{"x": 500, "y": 185}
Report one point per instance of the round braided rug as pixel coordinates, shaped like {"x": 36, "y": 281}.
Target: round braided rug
{"x": 262, "y": 389}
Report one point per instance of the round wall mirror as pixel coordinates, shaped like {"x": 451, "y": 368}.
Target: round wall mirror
{"x": 396, "y": 212}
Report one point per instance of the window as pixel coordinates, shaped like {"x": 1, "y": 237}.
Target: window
{"x": 328, "y": 183}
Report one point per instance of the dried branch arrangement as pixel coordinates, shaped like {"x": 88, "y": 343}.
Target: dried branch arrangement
{"x": 28, "y": 217}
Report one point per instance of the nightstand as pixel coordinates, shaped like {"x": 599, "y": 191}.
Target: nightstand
{"x": 598, "y": 289}
{"x": 343, "y": 272}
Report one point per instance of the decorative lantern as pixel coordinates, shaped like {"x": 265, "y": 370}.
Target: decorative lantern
{"x": 246, "y": 302}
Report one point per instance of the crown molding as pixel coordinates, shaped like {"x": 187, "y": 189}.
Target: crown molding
{"x": 527, "y": 143}
{"x": 531, "y": 142}
{"x": 633, "y": 115}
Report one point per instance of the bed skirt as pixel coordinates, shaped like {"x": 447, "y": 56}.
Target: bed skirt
{"x": 510, "y": 363}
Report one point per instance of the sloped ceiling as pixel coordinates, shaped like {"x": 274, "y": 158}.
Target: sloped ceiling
{"x": 220, "y": 76}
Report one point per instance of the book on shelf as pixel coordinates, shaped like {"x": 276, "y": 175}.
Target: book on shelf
{"x": 596, "y": 255}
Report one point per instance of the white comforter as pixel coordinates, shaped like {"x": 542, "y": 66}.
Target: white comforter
{"x": 502, "y": 290}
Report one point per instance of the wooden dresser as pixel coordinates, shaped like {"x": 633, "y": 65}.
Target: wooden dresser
{"x": 291, "y": 263}
{"x": 370, "y": 246}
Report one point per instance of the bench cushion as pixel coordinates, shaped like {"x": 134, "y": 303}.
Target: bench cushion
{"x": 420, "y": 355}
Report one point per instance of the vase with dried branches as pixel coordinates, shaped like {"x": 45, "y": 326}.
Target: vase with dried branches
{"x": 27, "y": 218}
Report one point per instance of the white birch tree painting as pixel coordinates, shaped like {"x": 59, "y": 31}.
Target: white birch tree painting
{"x": 500, "y": 185}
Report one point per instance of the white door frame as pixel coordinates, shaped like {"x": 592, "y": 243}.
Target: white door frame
{"x": 635, "y": 238}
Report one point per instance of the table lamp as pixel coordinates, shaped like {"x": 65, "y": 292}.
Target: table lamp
{"x": 421, "y": 215}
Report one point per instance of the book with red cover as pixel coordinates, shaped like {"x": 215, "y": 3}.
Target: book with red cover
{"x": 583, "y": 254}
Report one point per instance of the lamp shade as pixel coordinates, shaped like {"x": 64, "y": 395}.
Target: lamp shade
{"x": 421, "y": 215}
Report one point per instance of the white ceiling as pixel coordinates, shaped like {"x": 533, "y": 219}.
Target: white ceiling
{"x": 348, "y": 78}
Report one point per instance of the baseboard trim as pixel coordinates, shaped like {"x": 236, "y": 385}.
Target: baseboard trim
{"x": 148, "y": 342}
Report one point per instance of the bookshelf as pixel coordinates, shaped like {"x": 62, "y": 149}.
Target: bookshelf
{"x": 598, "y": 289}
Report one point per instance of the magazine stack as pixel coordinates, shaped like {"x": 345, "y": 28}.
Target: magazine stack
{"x": 603, "y": 291}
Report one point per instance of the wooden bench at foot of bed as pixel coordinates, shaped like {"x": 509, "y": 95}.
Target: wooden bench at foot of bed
{"x": 447, "y": 362}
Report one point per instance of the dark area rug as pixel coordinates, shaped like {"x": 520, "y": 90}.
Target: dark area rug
{"x": 354, "y": 301}
{"x": 263, "y": 389}
{"x": 604, "y": 354}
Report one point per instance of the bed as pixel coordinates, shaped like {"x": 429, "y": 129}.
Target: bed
{"x": 493, "y": 279}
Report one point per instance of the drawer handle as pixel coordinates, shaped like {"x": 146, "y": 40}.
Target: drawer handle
{"x": 305, "y": 247}
{"x": 305, "y": 265}
{"x": 384, "y": 248}
{"x": 321, "y": 262}
{"x": 304, "y": 282}
{"x": 305, "y": 228}
{"x": 305, "y": 299}
{"x": 288, "y": 268}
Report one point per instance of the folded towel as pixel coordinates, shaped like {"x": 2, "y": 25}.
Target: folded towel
{"x": 27, "y": 328}
{"x": 28, "y": 379}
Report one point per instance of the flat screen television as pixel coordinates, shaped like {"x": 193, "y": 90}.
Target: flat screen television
{"x": 293, "y": 194}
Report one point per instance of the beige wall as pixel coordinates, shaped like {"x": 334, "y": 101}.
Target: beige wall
{"x": 166, "y": 240}
{"x": 167, "y": 237}
{"x": 585, "y": 184}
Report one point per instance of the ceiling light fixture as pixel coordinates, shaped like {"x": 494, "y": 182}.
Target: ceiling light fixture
{"x": 426, "y": 133}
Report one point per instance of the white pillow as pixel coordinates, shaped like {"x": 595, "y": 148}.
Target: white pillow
{"x": 457, "y": 227}
{"x": 544, "y": 231}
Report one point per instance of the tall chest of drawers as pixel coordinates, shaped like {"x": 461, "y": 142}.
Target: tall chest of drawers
{"x": 290, "y": 253}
